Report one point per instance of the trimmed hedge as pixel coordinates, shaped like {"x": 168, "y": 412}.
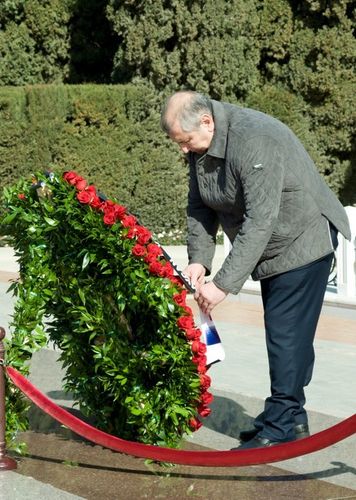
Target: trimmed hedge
{"x": 109, "y": 134}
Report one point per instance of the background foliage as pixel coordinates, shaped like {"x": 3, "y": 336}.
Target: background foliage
{"x": 109, "y": 134}
{"x": 293, "y": 59}
{"x": 234, "y": 50}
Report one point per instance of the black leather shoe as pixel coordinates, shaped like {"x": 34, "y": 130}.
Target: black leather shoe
{"x": 247, "y": 435}
{"x": 301, "y": 431}
{"x": 259, "y": 442}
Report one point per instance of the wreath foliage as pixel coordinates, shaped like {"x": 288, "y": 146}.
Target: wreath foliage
{"x": 94, "y": 283}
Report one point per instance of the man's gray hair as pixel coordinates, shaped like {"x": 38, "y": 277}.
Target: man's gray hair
{"x": 188, "y": 112}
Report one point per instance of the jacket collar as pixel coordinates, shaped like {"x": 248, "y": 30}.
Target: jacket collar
{"x": 218, "y": 144}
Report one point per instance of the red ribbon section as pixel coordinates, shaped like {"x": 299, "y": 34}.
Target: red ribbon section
{"x": 255, "y": 456}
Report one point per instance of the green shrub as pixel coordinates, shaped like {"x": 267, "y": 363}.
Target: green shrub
{"x": 47, "y": 41}
{"x": 213, "y": 47}
{"x": 34, "y": 44}
{"x": 310, "y": 51}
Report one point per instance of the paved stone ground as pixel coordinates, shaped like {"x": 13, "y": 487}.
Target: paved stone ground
{"x": 62, "y": 466}
{"x": 91, "y": 472}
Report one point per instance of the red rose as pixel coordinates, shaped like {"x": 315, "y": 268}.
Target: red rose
{"x": 143, "y": 235}
{"x": 206, "y": 398}
{"x": 150, "y": 257}
{"x": 129, "y": 221}
{"x": 193, "y": 334}
{"x": 84, "y": 197}
{"x": 108, "y": 205}
{"x": 21, "y": 196}
{"x": 154, "y": 249}
{"x": 195, "y": 346}
{"x": 80, "y": 184}
{"x": 201, "y": 368}
{"x": 96, "y": 202}
{"x": 91, "y": 190}
{"x": 155, "y": 268}
{"x": 185, "y": 322}
{"x": 109, "y": 218}
{"x": 198, "y": 347}
{"x": 107, "y": 209}
{"x": 138, "y": 250}
{"x": 187, "y": 309}
{"x": 180, "y": 298}
{"x": 119, "y": 211}
{"x": 204, "y": 411}
{"x": 70, "y": 177}
{"x": 199, "y": 359}
{"x": 166, "y": 270}
{"x": 195, "y": 424}
{"x": 205, "y": 381}
{"x": 113, "y": 210}
{"x": 131, "y": 233}
{"x": 176, "y": 280}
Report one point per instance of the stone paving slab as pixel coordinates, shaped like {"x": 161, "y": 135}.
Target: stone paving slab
{"x": 14, "y": 486}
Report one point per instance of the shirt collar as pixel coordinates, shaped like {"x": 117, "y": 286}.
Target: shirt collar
{"x": 217, "y": 147}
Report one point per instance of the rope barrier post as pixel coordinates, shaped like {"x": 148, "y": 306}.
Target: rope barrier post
{"x": 6, "y": 463}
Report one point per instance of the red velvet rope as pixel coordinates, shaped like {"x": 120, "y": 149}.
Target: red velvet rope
{"x": 255, "y": 456}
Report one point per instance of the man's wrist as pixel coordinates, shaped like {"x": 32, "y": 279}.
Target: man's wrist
{"x": 207, "y": 271}
{"x": 221, "y": 287}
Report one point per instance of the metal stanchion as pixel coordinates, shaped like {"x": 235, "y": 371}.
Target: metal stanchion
{"x": 6, "y": 463}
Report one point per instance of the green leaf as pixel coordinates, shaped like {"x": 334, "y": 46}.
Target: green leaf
{"x": 135, "y": 411}
{"x": 70, "y": 463}
{"x": 86, "y": 260}
{"x": 51, "y": 222}
{"x": 81, "y": 295}
{"x": 9, "y": 218}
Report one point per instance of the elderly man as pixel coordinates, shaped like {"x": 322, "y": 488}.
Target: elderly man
{"x": 250, "y": 174}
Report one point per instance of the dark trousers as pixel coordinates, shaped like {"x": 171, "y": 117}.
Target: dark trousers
{"x": 292, "y": 304}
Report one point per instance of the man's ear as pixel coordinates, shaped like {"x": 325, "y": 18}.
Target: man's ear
{"x": 208, "y": 122}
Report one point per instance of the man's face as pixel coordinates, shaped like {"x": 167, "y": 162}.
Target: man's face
{"x": 196, "y": 141}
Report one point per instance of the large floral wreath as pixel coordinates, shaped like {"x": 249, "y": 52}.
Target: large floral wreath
{"x": 93, "y": 281}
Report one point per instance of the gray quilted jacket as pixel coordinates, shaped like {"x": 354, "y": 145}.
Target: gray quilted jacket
{"x": 258, "y": 182}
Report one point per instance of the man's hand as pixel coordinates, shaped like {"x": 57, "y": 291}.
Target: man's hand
{"x": 196, "y": 274}
{"x": 208, "y": 296}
